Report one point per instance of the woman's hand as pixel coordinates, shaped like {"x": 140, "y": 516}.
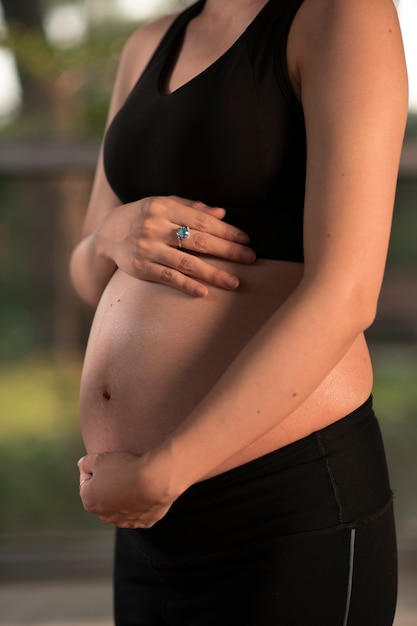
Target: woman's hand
{"x": 121, "y": 490}
{"x": 141, "y": 239}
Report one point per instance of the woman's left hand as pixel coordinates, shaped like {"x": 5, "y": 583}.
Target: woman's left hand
{"x": 118, "y": 488}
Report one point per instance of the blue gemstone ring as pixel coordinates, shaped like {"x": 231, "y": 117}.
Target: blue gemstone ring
{"x": 182, "y": 233}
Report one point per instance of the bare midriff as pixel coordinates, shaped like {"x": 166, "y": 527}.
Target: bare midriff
{"x": 153, "y": 354}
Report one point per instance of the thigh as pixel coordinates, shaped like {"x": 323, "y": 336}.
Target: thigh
{"x": 344, "y": 577}
{"x": 301, "y": 581}
{"x": 347, "y": 577}
{"x": 302, "y": 536}
{"x": 139, "y": 595}
{"x": 374, "y": 573}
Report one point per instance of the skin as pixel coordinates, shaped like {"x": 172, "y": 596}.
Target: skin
{"x": 298, "y": 361}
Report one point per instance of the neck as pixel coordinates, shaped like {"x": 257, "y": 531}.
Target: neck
{"x": 239, "y": 11}
{"x": 234, "y": 5}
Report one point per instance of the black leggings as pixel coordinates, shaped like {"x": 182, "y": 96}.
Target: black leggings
{"x": 303, "y": 536}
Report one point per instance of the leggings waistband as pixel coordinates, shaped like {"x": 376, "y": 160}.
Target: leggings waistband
{"x": 333, "y": 478}
{"x": 320, "y": 443}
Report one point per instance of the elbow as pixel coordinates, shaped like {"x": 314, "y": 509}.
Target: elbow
{"x": 78, "y": 284}
{"x": 350, "y": 305}
{"x": 367, "y": 311}
{"x": 360, "y": 306}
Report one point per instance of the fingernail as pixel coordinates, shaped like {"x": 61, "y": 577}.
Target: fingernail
{"x": 231, "y": 282}
{"x": 248, "y": 255}
{"x": 200, "y": 291}
{"x": 242, "y": 238}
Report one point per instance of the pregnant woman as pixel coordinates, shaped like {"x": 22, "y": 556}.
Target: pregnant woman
{"x": 226, "y": 401}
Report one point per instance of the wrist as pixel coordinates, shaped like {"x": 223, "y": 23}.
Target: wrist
{"x": 100, "y": 242}
{"x": 164, "y": 471}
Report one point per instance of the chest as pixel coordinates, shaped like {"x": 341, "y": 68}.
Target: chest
{"x": 221, "y": 137}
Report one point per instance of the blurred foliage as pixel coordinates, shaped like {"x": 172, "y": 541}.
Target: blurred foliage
{"x": 38, "y": 397}
{"x": 39, "y": 447}
{"x": 77, "y": 82}
{"x": 76, "y": 77}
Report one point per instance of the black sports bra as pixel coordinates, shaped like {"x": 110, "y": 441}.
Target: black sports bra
{"x": 233, "y": 136}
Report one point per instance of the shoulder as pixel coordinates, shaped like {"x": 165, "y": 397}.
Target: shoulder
{"x": 318, "y": 17}
{"x": 332, "y": 31}
{"x": 136, "y": 53}
{"x": 144, "y": 39}
{"x": 140, "y": 47}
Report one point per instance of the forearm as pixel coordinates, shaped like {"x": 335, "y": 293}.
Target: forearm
{"x": 278, "y": 369}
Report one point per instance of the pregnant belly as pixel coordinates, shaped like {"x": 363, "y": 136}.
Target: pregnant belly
{"x": 153, "y": 353}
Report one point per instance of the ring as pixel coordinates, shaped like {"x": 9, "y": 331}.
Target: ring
{"x": 182, "y": 233}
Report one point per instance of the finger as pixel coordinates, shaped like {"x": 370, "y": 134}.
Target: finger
{"x": 188, "y": 268}
{"x": 84, "y": 478}
{"x": 177, "y": 280}
{"x": 208, "y": 244}
{"x": 184, "y": 272}
{"x": 82, "y": 463}
{"x": 216, "y": 212}
{"x": 84, "y": 475}
{"x": 86, "y": 463}
{"x": 197, "y": 216}
{"x": 107, "y": 520}
{"x": 206, "y": 223}
{"x": 195, "y": 267}
{"x": 122, "y": 522}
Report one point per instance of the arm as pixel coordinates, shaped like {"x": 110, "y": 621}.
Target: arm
{"x": 89, "y": 271}
{"x": 347, "y": 58}
{"x": 139, "y": 237}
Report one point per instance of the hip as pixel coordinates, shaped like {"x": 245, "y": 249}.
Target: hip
{"x": 335, "y": 478}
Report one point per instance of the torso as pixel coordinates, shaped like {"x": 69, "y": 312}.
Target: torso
{"x": 232, "y": 135}
{"x": 154, "y": 353}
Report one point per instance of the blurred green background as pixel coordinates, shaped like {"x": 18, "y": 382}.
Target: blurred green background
{"x": 63, "y": 57}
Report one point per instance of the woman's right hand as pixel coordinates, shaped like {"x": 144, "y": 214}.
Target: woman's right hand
{"x": 141, "y": 238}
